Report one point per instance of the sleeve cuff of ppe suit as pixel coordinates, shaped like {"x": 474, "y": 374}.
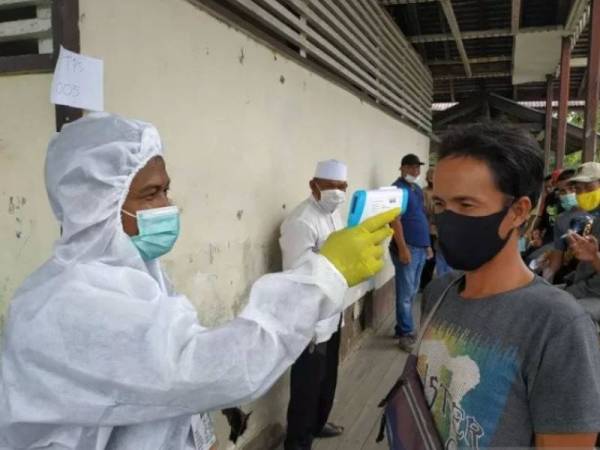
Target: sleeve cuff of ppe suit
{"x": 316, "y": 270}
{"x": 329, "y": 280}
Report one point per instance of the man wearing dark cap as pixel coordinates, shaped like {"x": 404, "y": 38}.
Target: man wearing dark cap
{"x": 409, "y": 249}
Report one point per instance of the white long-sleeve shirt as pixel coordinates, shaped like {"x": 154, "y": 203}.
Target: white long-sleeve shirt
{"x": 303, "y": 233}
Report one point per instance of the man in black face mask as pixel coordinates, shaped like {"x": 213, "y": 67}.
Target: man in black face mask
{"x": 507, "y": 360}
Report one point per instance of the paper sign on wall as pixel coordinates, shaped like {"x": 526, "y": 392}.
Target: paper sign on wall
{"x": 78, "y": 81}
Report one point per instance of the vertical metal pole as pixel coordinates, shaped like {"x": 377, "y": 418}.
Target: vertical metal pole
{"x": 563, "y": 107}
{"x": 593, "y": 86}
{"x": 548, "y": 133}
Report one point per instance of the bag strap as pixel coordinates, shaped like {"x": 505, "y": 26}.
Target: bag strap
{"x": 382, "y": 425}
{"x": 401, "y": 381}
{"x": 429, "y": 318}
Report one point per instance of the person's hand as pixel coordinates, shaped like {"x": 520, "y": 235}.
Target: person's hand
{"x": 357, "y": 252}
{"x": 584, "y": 248}
{"x": 536, "y": 239}
{"x": 404, "y": 255}
{"x": 430, "y": 254}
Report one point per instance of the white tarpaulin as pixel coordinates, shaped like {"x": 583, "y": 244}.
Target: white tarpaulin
{"x": 536, "y": 55}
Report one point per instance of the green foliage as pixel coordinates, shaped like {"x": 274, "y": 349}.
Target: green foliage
{"x": 573, "y": 160}
{"x": 577, "y": 118}
{"x": 433, "y": 159}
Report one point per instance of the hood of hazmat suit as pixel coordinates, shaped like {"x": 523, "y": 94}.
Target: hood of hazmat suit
{"x": 100, "y": 352}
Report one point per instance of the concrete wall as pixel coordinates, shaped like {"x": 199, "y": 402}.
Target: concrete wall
{"x": 27, "y": 228}
{"x": 243, "y": 127}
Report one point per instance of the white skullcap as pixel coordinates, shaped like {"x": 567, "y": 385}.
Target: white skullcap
{"x": 332, "y": 170}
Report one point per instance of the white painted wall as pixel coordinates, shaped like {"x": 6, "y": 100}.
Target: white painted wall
{"x": 243, "y": 127}
{"x": 27, "y": 228}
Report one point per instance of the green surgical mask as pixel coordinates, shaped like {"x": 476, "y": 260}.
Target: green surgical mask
{"x": 568, "y": 201}
{"x": 158, "y": 231}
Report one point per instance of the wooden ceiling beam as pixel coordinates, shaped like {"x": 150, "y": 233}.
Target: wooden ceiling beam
{"x": 484, "y": 60}
{"x": 455, "y": 30}
{"x": 403, "y": 2}
{"x": 482, "y": 34}
{"x": 515, "y": 21}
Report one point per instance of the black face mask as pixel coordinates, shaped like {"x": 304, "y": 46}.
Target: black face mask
{"x": 468, "y": 242}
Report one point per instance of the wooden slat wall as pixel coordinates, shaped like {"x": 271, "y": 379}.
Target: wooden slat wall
{"x": 56, "y": 24}
{"x": 39, "y": 28}
{"x": 359, "y": 42}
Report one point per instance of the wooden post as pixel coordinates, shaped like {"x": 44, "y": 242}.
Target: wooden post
{"x": 563, "y": 107}
{"x": 548, "y": 133}
{"x": 65, "y": 25}
{"x": 593, "y": 86}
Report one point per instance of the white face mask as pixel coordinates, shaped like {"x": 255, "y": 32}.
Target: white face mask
{"x": 411, "y": 179}
{"x": 331, "y": 199}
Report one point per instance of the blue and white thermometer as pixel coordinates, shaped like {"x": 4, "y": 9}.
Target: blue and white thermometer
{"x": 369, "y": 203}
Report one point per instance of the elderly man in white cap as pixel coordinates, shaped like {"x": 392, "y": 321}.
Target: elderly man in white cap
{"x": 314, "y": 374}
{"x": 100, "y": 351}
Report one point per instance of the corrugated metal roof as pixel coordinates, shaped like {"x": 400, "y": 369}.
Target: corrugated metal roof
{"x": 491, "y": 57}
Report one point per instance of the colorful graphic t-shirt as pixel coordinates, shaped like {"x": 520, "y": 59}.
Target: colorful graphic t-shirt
{"x": 498, "y": 370}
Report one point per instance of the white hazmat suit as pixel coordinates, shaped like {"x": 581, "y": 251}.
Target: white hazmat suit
{"x": 99, "y": 351}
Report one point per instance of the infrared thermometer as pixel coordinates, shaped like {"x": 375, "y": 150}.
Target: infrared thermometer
{"x": 369, "y": 203}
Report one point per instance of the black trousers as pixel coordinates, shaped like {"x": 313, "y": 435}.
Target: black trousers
{"x": 312, "y": 391}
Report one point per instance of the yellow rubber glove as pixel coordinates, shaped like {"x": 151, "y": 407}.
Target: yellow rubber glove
{"x": 357, "y": 252}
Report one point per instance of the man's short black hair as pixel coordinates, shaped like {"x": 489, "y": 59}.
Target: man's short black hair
{"x": 566, "y": 174}
{"x": 513, "y": 156}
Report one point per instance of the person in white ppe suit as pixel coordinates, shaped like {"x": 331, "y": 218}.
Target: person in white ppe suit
{"x": 99, "y": 352}
{"x": 314, "y": 374}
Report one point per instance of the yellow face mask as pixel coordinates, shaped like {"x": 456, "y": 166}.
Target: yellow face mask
{"x": 589, "y": 201}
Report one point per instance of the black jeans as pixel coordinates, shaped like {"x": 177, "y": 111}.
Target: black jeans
{"x": 312, "y": 391}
